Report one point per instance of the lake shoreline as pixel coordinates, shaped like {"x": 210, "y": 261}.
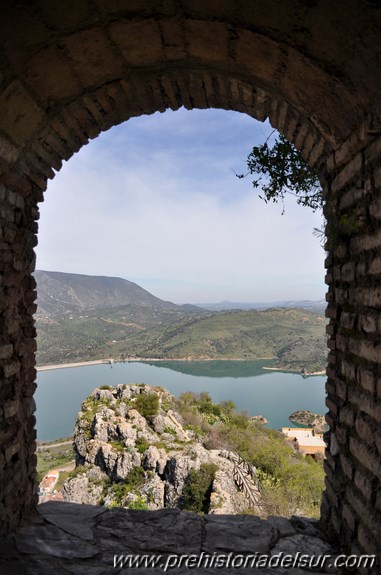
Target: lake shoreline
{"x": 75, "y": 364}
{"x": 307, "y": 374}
{"x": 111, "y": 361}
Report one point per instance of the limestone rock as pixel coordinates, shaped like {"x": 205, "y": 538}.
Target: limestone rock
{"x": 155, "y": 459}
{"x": 113, "y": 440}
{"x": 82, "y": 490}
{"x": 127, "y": 432}
{"x": 153, "y": 491}
{"x": 224, "y": 499}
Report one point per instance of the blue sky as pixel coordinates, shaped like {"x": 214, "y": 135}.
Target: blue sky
{"x": 155, "y": 201}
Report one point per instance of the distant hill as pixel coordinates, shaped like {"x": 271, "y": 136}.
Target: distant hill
{"x": 78, "y": 315}
{"x": 317, "y": 306}
{"x": 295, "y": 338}
{"x": 64, "y": 293}
{"x": 83, "y": 317}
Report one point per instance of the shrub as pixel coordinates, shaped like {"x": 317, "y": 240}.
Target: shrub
{"x": 170, "y": 430}
{"x": 147, "y": 405}
{"x": 138, "y": 504}
{"x": 118, "y": 445}
{"x": 135, "y": 478}
{"x": 141, "y": 444}
{"x": 198, "y": 487}
{"x": 119, "y": 491}
{"x": 77, "y": 471}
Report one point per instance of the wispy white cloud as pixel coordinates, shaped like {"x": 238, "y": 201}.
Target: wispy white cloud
{"x": 155, "y": 200}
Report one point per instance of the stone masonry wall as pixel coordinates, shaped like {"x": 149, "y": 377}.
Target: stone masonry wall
{"x": 352, "y": 501}
{"x": 17, "y": 373}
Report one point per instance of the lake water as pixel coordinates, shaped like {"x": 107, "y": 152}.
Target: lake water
{"x": 275, "y": 395}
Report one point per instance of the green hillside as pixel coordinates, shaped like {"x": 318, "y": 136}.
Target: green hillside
{"x": 82, "y": 317}
{"x": 295, "y": 338}
{"x": 78, "y": 317}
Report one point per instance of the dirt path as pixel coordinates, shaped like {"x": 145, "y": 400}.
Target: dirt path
{"x": 54, "y": 445}
{"x": 66, "y": 467}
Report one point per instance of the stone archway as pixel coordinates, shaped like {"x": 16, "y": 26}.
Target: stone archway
{"x": 71, "y": 70}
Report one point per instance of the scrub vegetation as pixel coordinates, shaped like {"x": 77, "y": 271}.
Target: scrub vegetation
{"x": 292, "y": 484}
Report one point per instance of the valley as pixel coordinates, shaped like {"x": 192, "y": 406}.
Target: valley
{"x": 83, "y": 318}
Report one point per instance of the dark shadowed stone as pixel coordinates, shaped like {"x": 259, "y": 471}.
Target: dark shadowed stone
{"x": 75, "y": 519}
{"x": 82, "y": 569}
{"x": 86, "y": 512}
{"x": 110, "y": 547}
{"x": 303, "y": 544}
{"x": 306, "y": 526}
{"x": 282, "y": 524}
{"x": 50, "y": 540}
{"x": 163, "y": 531}
{"x": 239, "y": 534}
{"x": 34, "y": 566}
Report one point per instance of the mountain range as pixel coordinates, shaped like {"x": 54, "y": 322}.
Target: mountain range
{"x": 62, "y": 293}
{"x": 317, "y": 306}
{"x": 82, "y": 317}
{"x": 79, "y": 316}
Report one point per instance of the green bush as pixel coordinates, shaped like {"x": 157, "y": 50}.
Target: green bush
{"x": 119, "y": 491}
{"x": 138, "y": 504}
{"x": 135, "y": 478}
{"x": 170, "y": 430}
{"x": 198, "y": 487}
{"x": 147, "y": 405}
{"x": 77, "y": 471}
{"x": 118, "y": 445}
{"x": 141, "y": 444}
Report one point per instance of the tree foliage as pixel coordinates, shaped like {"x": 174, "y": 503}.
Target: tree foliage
{"x": 147, "y": 405}
{"x": 281, "y": 170}
{"x": 198, "y": 487}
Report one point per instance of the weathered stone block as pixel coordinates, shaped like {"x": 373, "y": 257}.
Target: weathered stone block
{"x": 144, "y": 530}
{"x": 93, "y": 57}
{"x": 197, "y": 39}
{"x": 367, "y": 457}
{"x": 349, "y": 516}
{"x": 12, "y": 368}
{"x": 347, "y": 416}
{"x": 366, "y": 428}
{"x": 347, "y": 466}
{"x": 128, "y": 36}
{"x": 11, "y": 408}
{"x": 6, "y": 351}
{"x": 367, "y": 380}
{"x": 349, "y": 173}
{"x": 23, "y": 117}
{"x": 364, "y": 484}
{"x": 251, "y": 53}
{"x": 238, "y": 534}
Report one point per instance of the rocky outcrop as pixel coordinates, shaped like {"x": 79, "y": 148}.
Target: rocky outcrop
{"x": 309, "y": 419}
{"x": 131, "y": 454}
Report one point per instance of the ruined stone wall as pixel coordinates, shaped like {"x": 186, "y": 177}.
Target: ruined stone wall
{"x": 17, "y": 345}
{"x": 352, "y": 501}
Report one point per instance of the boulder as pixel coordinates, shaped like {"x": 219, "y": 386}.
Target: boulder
{"x": 82, "y": 489}
{"x": 153, "y": 491}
